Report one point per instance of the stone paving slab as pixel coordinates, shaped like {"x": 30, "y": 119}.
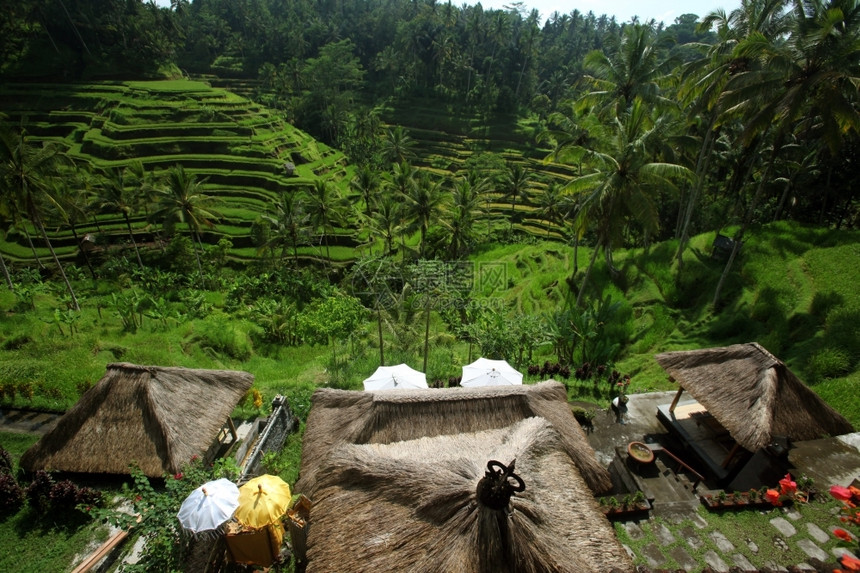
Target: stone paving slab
{"x": 691, "y": 538}
{"x": 816, "y": 533}
{"x": 683, "y": 559}
{"x": 715, "y": 562}
{"x": 840, "y": 551}
{"x": 653, "y": 555}
{"x": 783, "y": 526}
{"x": 663, "y": 534}
{"x": 722, "y": 543}
{"x": 811, "y": 549}
{"x": 633, "y": 530}
{"x": 741, "y": 561}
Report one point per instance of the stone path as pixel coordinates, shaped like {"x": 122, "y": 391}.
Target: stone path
{"x": 692, "y": 548}
{"x": 681, "y": 534}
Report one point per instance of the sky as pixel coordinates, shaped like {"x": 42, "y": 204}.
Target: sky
{"x": 660, "y": 10}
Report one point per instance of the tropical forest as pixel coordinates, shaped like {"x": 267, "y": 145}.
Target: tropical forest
{"x": 308, "y": 190}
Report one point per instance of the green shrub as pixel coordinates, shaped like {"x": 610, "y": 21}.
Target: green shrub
{"x": 827, "y": 363}
{"x": 225, "y": 337}
{"x": 841, "y": 331}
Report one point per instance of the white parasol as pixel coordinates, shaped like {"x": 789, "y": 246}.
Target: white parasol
{"x": 486, "y": 372}
{"x": 391, "y": 377}
{"x": 209, "y": 506}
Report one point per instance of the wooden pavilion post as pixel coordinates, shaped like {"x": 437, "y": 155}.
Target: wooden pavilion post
{"x": 675, "y": 400}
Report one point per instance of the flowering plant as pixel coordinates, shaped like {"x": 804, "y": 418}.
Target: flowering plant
{"x": 622, "y": 389}
{"x": 850, "y": 516}
{"x": 787, "y": 491}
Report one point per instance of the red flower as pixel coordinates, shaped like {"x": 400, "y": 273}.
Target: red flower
{"x": 850, "y": 563}
{"x": 177, "y": 476}
{"x": 842, "y": 534}
{"x": 773, "y": 497}
{"x": 841, "y": 493}
{"x": 787, "y": 486}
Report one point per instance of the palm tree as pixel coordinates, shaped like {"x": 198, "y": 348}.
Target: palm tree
{"x": 705, "y": 79}
{"x": 75, "y": 208}
{"x": 461, "y": 220}
{"x": 423, "y": 205}
{"x": 366, "y": 183}
{"x": 114, "y": 196}
{"x": 289, "y": 224}
{"x": 325, "y": 209}
{"x": 397, "y": 146}
{"x": 633, "y": 68}
{"x": 385, "y": 221}
{"x": 184, "y": 201}
{"x": 553, "y": 206}
{"x": 27, "y": 171}
{"x": 623, "y": 184}
{"x": 810, "y": 79}
{"x": 516, "y": 186}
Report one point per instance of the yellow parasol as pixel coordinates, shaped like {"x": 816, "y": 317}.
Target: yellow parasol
{"x": 262, "y": 501}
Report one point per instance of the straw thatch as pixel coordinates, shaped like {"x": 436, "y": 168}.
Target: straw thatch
{"x": 753, "y": 394}
{"x": 157, "y": 418}
{"x": 411, "y": 506}
{"x": 341, "y": 417}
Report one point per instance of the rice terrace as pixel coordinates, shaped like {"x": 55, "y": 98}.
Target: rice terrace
{"x": 414, "y": 287}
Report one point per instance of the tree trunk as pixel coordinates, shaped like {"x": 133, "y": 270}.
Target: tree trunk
{"x": 75, "y": 304}
{"x": 197, "y": 244}
{"x": 32, "y": 247}
{"x": 83, "y": 251}
{"x": 587, "y": 274}
{"x": 702, "y": 165}
{"x": 6, "y": 275}
{"x": 379, "y": 328}
{"x": 131, "y": 236}
{"x": 747, "y": 218}
{"x": 426, "y": 332}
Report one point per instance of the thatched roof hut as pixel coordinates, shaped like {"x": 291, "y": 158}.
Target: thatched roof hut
{"x": 393, "y": 477}
{"x": 753, "y": 394}
{"x": 155, "y": 417}
{"x": 341, "y": 417}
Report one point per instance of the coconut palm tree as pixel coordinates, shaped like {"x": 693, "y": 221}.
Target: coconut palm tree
{"x": 114, "y": 195}
{"x": 634, "y": 66}
{"x": 516, "y": 185}
{"x": 386, "y": 221}
{"x": 73, "y": 197}
{"x": 398, "y": 146}
{"x": 623, "y": 183}
{"x": 26, "y": 172}
{"x": 183, "y": 201}
{"x": 460, "y": 222}
{"x": 423, "y": 205}
{"x": 366, "y": 183}
{"x": 289, "y": 224}
{"x": 810, "y": 80}
{"x": 325, "y": 208}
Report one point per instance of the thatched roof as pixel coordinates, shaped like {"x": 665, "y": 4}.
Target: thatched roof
{"x": 753, "y": 394}
{"x": 155, "y": 417}
{"x": 411, "y": 505}
{"x": 341, "y": 417}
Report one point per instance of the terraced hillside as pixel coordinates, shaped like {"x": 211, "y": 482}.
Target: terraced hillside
{"x": 447, "y": 141}
{"x": 240, "y": 148}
